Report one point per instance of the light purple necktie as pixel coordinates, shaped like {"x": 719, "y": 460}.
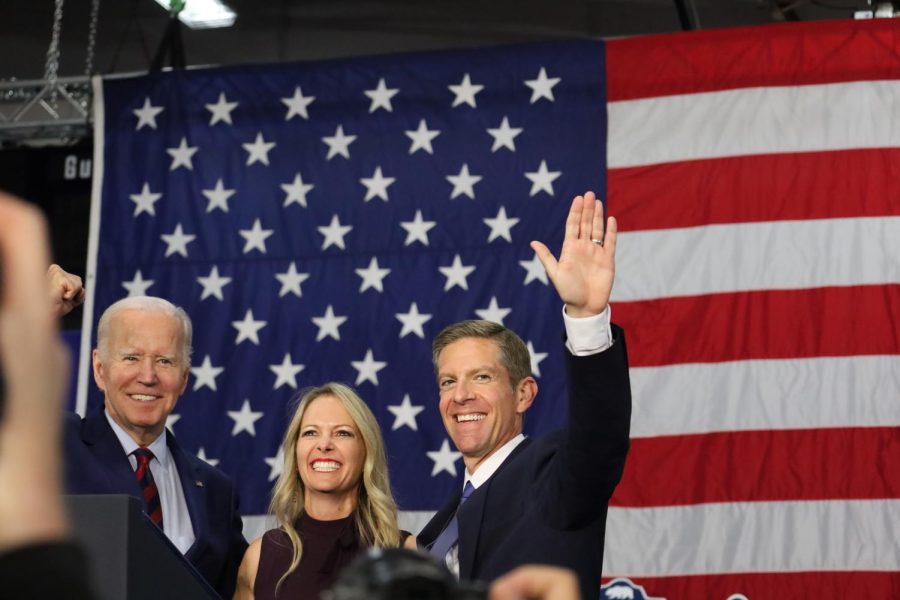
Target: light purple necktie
{"x": 450, "y": 534}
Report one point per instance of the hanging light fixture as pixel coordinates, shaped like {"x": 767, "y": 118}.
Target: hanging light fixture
{"x": 880, "y": 10}
{"x": 202, "y": 14}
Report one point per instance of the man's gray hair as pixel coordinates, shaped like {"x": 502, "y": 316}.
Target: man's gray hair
{"x": 146, "y": 304}
{"x": 514, "y": 354}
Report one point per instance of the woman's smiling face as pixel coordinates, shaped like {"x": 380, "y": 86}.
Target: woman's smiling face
{"x": 330, "y": 449}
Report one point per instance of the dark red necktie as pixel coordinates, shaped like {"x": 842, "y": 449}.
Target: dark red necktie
{"x": 148, "y": 486}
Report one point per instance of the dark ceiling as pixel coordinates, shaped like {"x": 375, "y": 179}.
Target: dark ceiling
{"x": 129, "y": 31}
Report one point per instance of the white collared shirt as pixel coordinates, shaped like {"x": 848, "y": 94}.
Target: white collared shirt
{"x": 176, "y": 518}
{"x": 584, "y": 336}
{"x": 588, "y": 335}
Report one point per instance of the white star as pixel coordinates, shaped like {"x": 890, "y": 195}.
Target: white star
{"x": 296, "y": 191}
{"x": 501, "y": 226}
{"x": 290, "y": 281}
{"x": 177, "y": 241}
{"x": 405, "y": 414}
{"x": 144, "y": 201}
{"x": 534, "y": 270}
{"x": 493, "y": 312}
{"x": 244, "y": 419}
{"x": 464, "y": 183}
{"x": 181, "y": 156}
{"x": 221, "y": 110}
{"x": 328, "y": 325}
{"x": 137, "y": 286}
{"x": 417, "y": 229}
{"x": 276, "y": 464}
{"x": 421, "y": 138}
{"x": 205, "y": 374}
{"x": 542, "y": 179}
{"x": 381, "y": 97}
{"x": 542, "y": 86}
{"x": 456, "y": 274}
{"x": 412, "y": 322}
{"x": 147, "y": 114}
{"x": 444, "y": 459}
{"x": 338, "y": 143}
{"x": 334, "y": 233}
{"x": 465, "y": 92}
{"x": 286, "y": 372}
{"x": 372, "y": 276}
{"x": 255, "y": 237}
{"x": 297, "y": 104}
{"x": 171, "y": 420}
{"x": 213, "y": 284}
{"x": 536, "y": 358}
{"x": 218, "y": 197}
{"x": 201, "y": 454}
{"x": 504, "y": 136}
{"x": 258, "y": 151}
{"x": 368, "y": 368}
{"x": 377, "y": 185}
{"x": 247, "y": 328}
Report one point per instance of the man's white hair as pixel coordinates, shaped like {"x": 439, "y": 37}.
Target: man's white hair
{"x": 146, "y": 304}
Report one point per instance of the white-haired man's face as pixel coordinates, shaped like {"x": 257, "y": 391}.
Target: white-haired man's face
{"x": 142, "y": 372}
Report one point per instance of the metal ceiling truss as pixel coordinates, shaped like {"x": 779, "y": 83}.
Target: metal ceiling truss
{"x": 40, "y": 112}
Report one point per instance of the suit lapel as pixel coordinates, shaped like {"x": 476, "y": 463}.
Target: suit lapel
{"x": 439, "y": 521}
{"x": 97, "y": 435}
{"x": 472, "y": 515}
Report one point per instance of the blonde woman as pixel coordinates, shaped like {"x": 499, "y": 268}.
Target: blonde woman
{"x": 332, "y": 501}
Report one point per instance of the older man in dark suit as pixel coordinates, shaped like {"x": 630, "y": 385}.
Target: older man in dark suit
{"x": 141, "y": 364}
{"x": 540, "y": 500}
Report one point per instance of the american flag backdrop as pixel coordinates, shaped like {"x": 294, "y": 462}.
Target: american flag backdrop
{"x": 755, "y": 174}
{"x": 323, "y": 221}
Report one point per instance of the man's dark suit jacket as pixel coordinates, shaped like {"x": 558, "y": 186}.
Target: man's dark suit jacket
{"x": 97, "y": 464}
{"x": 547, "y": 501}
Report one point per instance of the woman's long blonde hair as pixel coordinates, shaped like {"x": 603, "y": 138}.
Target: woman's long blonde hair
{"x": 375, "y": 513}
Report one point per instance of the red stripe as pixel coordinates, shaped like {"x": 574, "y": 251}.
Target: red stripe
{"x": 833, "y": 321}
{"x": 811, "y": 464}
{"x": 717, "y": 59}
{"x": 868, "y": 585}
{"x": 820, "y": 185}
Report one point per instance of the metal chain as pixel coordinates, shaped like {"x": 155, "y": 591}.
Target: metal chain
{"x": 92, "y": 38}
{"x": 51, "y": 67}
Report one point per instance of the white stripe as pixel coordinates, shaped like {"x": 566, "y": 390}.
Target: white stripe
{"x": 90, "y": 278}
{"x": 855, "y": 535}
{"x": 858, "y": 391}
{"x": 256, "y": 525}
{"x": 732, "y": 537}
{"x": 757, "y": 256}
{"x": 410, "y": 520}
{"x": 764, "y": 120}
{"x": 415, "y": 520}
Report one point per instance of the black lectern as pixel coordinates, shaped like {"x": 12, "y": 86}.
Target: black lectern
{"x": 131, "y": 559}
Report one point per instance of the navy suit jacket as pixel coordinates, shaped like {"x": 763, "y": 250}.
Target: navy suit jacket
{"x": 547, "y": 501}
{"x": 97, "y": 464}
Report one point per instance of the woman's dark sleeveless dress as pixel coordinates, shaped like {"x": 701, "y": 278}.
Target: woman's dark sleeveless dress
{"x": 328, "y": 547}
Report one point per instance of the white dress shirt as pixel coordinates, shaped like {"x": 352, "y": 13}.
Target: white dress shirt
{"x": 176, "y": 518}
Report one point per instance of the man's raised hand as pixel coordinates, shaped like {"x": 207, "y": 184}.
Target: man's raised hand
{"x": 583, "y": 275}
